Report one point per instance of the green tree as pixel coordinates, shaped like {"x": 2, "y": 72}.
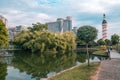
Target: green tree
{"x": 108, "y": 42}
{"x": 3, "y": 34}
{"x": 115, "y": 39}
{"x": 38, "y": 27}
{"x": 46, "y": 41}
{"x": 101, "y": 42}
{"x": 3, "y": 71}
{"x": 87, "y": 34}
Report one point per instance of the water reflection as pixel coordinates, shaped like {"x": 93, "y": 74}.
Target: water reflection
{"x": 41, "y": 65}
{"x": 3, "y": 71}
{"x": 34, "y": 66}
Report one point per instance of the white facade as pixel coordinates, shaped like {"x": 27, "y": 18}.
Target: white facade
{"x": 104, "y": 28}
{"x": 60, "y": 25}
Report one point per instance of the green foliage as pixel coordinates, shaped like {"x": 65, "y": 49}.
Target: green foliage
{"x": 115, "y": 39}
{"x": 101, "y": 42}
{"x": 3, "y": 71}
{"x": 108, "y": 42}
{"x": 40, "y": 65}
{"x": 82, "y": 72}
{"x": 38, "y": 27}
{"x": 3, "y": 34}
{"x": 100, "y": 52}
{"x": 46, "y": 41}
{"x": 87, "y": 33}
{"x": 80, "y": 42}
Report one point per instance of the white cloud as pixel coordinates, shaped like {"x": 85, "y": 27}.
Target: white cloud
{"x": 16, "y": 17}
{"x": 43, "y": 11}
{"x": 30, "y": 3}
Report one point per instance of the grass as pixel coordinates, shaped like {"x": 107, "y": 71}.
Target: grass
{"x": 83, "y": 72}
{"x": 100, "y": 52}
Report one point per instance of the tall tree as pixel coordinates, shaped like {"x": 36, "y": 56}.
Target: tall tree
{"x": 87, "y": 34}
{"x": 101, "y": 42}
{"x": 3, "y": 34}
{"x": 38, "y": 27}
{"x": 115, "y": 39}
{"x": 108, "y": 42}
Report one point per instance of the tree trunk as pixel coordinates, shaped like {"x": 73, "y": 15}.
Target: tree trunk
{"x": 87, "y": 54}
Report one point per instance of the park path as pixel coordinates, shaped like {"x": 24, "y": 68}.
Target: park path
{"x": 114, "y": 54}
{"x": 110, "y": 69}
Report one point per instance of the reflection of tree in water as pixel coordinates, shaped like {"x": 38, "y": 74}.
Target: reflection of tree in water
{"x": 81, "y": 57}
{"x": 3, "y": 71}
{"x": 41, "y": 65}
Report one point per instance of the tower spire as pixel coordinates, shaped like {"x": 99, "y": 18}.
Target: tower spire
{"x": 104, "y": 27}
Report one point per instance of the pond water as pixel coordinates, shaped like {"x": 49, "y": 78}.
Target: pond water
{"x": 27, "y": 66}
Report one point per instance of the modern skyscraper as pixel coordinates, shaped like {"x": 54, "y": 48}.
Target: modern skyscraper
{"x": 104, "y": 28}
{"x": 61, "y": 25}
{"x": 75, "y": 30}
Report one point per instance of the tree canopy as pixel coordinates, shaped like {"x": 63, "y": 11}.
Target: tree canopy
{"x": 115, "y": 39}
{"x": 38, "y": 27}
{"x": 3, "y": 34}
{"x": 108, "y": 42}
{"x": 46, "y": 41}
{"x": 101, "y": 42}
{"x": 87, "y": 33}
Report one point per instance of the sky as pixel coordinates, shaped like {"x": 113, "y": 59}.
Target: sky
{"x": 83, "y": 12}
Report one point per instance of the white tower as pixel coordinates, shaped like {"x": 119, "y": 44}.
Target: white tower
{"x": 104, "y": 28}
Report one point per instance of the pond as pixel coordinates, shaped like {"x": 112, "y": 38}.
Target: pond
{"x": 24, "y": 65}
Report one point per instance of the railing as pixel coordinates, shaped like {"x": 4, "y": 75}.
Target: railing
{"x": 11, "y": 47}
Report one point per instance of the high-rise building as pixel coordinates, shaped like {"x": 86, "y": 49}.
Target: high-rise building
{"x": 104, "y": 28}
{"x": 75, "y": 30}
{"x": 11, "y": 33}
{"x": 61, "y": 25}
{"x": 4, "y": 20}
{"x": 15, "y": 30}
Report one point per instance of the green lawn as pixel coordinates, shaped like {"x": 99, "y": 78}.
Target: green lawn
{"x": 100, "y": 52}
{"x": 82, "y": 72}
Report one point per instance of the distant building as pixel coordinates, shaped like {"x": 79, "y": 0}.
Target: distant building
{"x": 19, "y": 28}
{"x": 104, "y": 28}
{"x": 11, "y": 32}
{"x": 14, "y": 31}
{"x": 75, "y": 30}
{"x": 4, "y": 20}
{"x": 61, "y": 25}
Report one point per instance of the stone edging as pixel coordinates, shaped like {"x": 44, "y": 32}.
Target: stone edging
{"x": 62, "y": 71}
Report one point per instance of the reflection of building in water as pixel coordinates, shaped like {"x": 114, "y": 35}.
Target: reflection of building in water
{"x": 6, "y": 57}
{"x": 61, "y": 25}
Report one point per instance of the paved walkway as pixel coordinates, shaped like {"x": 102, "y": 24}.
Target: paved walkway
{"x": 110, "y": 69}
{"x": 114, "y": 54}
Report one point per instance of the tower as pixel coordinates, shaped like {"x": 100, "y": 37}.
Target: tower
{"x": 104, "y": 28}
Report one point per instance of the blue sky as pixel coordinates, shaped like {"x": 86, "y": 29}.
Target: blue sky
{"x": 83, "y": 12}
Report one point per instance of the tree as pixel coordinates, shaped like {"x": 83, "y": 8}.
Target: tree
{"x": 108, "y": 42}
{"x": 87, "y": 34}
{"x": 3, "y": 71}
{"x": 101, "y": 42}
{"x": 40, "y": 41}
{"x": 115, "y": 39}
{"x": 3, "y": 34}
{"x": 38, "y": 27}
